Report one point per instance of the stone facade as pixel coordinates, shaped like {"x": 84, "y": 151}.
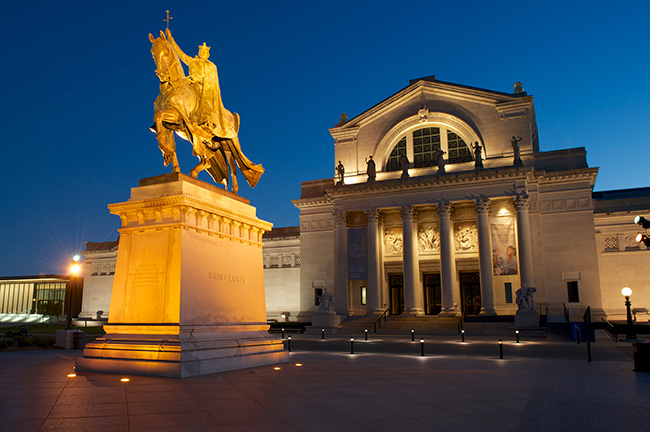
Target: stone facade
{"x": 282, "y": 273}
{"x": 458, "y": 236}
{"x": 99, "y": 270}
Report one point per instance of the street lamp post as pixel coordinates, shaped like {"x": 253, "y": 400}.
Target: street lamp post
{"x": 75, "y": 269}
{"x": 631, "y": 334}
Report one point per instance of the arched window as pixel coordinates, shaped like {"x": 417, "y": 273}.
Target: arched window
{"x": 426, "y": 142}
{"x": 458, "y": 150}
{"x": 393, "y": 160}
{"x": 422, "y": 145}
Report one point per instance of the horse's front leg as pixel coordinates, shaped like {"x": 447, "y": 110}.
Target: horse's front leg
{"x": 166, "y": 141}
{"x": 233, "y": 171}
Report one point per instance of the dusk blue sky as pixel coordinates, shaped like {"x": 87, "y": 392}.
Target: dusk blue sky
{"x": 78, "y": 87}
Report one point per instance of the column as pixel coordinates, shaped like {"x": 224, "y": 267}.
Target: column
{"x": 447, "y": 260}
{"x": 525, "y": 252}
{"x": 485, "y": 257}
{"x": 374, "y": 302}
{"x": 413, "y": 304}
{"x": 341, "y": 264}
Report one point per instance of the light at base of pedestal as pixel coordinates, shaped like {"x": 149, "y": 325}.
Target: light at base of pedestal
{"x": 167, "y": 356}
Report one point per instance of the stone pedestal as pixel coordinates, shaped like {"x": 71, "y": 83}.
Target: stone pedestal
{"x": 188, "y": 293}
{"x": 526, "y": 320}
{"x": 329, "y": 321}
{"x": 70, "y": 339}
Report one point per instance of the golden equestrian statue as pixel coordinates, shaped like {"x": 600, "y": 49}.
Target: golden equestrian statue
{"x": 191, "y": 106}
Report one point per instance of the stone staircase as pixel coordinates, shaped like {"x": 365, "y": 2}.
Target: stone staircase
{"x": 427, "y": 325}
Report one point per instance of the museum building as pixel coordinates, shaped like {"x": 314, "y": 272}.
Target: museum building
{"x": 442, "y": 204}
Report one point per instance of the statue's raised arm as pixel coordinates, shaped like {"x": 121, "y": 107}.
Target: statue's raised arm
{"x": 184, "y": 57}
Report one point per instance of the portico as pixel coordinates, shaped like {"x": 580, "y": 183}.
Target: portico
{"x": 427, "y": 226}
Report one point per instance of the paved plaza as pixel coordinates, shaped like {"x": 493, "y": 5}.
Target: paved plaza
{"x": 385, "y": 386}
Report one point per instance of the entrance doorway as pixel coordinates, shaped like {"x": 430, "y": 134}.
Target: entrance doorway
{"x": 432, "y": 298}
{"x": 396, "y": 285}
{"x": 470, "y": 293}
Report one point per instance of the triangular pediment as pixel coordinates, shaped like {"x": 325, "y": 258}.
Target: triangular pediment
{"x": 427, "y": 88}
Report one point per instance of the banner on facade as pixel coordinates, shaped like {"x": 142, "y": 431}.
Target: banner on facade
{"x": 357, "y": 254}
{"x": 504, "y": 246}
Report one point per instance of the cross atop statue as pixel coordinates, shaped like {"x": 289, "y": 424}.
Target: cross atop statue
{"x": 167, "y": 19}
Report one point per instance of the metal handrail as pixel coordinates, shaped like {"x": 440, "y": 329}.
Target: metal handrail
{"x": 385, "y": 314}
{"x": 566, "y": 313}
{"x": 610, "y": 330}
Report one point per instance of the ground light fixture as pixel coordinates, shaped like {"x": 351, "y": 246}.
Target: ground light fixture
{"x": 500, "y": 349}
{"x": 631, "y": 334}
{"x": 421, "y": 346}
{"x": 351, "y": 345}
{"x": 517, "y": 333}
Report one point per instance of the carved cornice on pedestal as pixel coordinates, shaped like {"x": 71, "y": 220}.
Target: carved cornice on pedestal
{"x": 205, "y": 216}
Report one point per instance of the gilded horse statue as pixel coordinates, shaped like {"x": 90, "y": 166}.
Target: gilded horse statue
{"x": 191, "y": 106}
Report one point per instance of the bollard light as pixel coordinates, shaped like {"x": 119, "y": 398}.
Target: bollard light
{"x": 282, "y": 333}
{"x": 289, "y": 343}
{"x": 322, "y": 333}
{"x": 517, "y": 333}
{"x": 412, "y": 335}
{"x": 366, "y": 332}
{"x": 462, "y": 335}
{"x": 500, "y": 349}
{"x": 351, "y": 345}
{"x": 421, "y": 346}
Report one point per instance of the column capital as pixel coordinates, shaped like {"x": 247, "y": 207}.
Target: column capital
{"x": 340, "y": 217}
{"x": 373, "y": 215}
{"x": 522, "y": 202}
{"x": 482, "y": 205}
{"x": 409, "y": 212}
{"x": 445, "y": 208}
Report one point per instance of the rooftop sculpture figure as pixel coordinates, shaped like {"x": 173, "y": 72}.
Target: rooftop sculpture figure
{"x": 371, "y": 170}
{"x": 192, "y": 107}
